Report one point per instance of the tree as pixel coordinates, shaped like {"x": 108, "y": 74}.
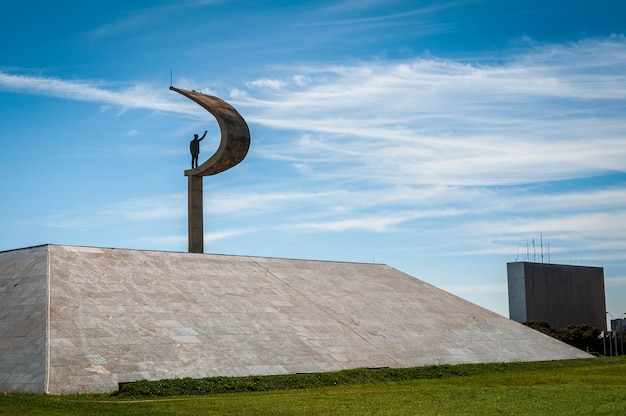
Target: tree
{"x": 541, "y": 326}
{"x": 584, "y": 337}
{"x": 580, "y": 336}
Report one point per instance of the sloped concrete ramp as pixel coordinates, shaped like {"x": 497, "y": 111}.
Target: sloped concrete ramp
{"x": 78, "y": 319}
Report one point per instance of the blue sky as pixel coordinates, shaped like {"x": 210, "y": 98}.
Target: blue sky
{"x": 439, "y": 137}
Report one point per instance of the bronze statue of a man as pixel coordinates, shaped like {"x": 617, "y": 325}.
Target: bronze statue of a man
{"x": 194, "y": 147}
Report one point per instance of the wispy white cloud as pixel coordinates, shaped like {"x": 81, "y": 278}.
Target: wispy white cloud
{"x": 267, "y": 83}
{"x": 139, "y": 96}
{"x": 87, "y": 217}
{"x": 615, "y": 281}
{"x": 359, "y": 16}
{"x": 213, "y": 237}
{"x": 378, "y": 222}
{"x": 137, "y": 19}
{"x": 553, "y": 113}
{"x": 148, "y": 209}
{"x": 581, "y": 225}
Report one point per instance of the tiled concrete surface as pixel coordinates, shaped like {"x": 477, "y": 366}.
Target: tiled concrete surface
{"x": 122, "y": 315}
{"x": 23, "y": 319}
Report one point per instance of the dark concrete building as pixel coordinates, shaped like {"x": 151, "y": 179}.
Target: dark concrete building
{"x": 560, "y": 294}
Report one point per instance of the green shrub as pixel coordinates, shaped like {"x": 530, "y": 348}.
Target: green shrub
{"x": 188, "y": 386}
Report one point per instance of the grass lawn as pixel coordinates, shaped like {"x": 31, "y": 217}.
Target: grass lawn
{"x": 581, "y": 387}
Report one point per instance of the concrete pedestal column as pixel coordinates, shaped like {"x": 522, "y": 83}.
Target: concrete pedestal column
{"x": 194, "y": 208}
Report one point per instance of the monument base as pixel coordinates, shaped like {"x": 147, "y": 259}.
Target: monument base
{"x": 195, "y": 215}
{"x": 82, "y": 320}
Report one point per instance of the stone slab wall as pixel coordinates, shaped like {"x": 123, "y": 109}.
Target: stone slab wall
{"x": 124, "y": 315}
{"x": 23, "y": 320}
{"x": 119, "y": 315}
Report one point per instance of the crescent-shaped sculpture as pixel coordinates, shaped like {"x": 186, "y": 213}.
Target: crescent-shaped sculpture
{"x": 235, "y": 139}
{"x": 234, "y": 145}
